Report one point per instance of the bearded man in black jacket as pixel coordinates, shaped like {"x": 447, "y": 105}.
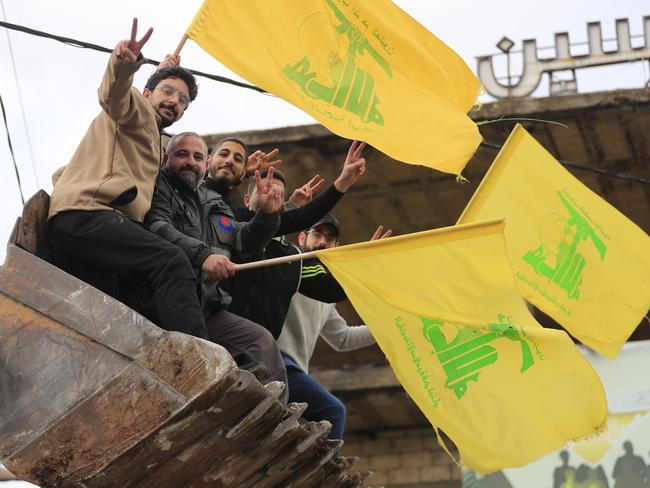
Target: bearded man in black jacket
{"x": 201, "y": 223}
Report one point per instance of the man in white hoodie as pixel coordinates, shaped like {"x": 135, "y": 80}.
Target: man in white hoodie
{"x": 306, "y": 320}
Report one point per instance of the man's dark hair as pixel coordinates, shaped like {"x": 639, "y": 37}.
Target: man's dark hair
{"x": 277, "y": 175}
{"x": 173, "y": 72}
{"x": 232, "y": 139}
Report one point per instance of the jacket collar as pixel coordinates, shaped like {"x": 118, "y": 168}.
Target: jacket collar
{"x": 220, "y": 187}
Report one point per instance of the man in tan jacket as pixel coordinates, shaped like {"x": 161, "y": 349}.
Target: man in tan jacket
{"x": 100, "y": 198}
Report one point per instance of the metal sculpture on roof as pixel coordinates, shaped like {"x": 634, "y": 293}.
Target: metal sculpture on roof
{"x": 534, "y": 67}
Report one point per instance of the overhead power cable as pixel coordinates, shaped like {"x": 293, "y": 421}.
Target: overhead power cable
{"x": 583, "y": 167}
{"x": 20, "y": 99}
{"x": 11, "y": 150}
{"x": 87, "y": 45}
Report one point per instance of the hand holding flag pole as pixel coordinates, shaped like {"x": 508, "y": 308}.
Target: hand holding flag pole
{"x": 301, "y": 256}
{"x": 273, "y": 261}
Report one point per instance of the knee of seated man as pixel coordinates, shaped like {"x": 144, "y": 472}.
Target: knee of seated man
{"x": 264, "y": 337}
{"x": 173, "y": 257}
{"x": 336, "y": 408}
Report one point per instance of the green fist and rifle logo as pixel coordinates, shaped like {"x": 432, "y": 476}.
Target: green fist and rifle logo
{"x": 465, "y": 356}
{"x": 329, "y": 70}
{"x": 560, "y": 261}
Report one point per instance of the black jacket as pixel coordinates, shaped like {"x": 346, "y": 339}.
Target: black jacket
{"x": 201, "y": 223}
{"x": 263, "y": 295}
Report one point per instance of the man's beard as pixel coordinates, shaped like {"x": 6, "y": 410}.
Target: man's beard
{"x": 315, "y": 248}
{"x": 229, "y": 180}
{"x": 164, "y": 121}
{"x": 190, "y": 176}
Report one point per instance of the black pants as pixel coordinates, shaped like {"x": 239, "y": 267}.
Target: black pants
{"x": 240, "y": 337}
{"x": 119, "y": 256}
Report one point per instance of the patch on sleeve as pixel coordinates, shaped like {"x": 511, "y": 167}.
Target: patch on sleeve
{"x": 225, "y": 223}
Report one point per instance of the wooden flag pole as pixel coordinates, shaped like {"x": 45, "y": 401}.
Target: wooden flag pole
{"x": 274, "y": 261}
{"x": 180, "y": 45}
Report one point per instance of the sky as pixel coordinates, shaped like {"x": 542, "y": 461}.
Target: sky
{"x": 58, "y": 83}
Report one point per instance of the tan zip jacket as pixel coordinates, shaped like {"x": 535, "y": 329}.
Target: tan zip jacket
{"x": 117, "y": 161}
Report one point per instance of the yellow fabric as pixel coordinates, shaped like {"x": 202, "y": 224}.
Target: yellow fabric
{"x": 575, "y": 256}
{"x": 445, "y": 310}
{"x": 363, "y": 68}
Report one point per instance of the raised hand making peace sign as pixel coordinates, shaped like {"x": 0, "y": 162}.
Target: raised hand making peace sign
{"x": 303, "y": 195}
{"x": 353, "y": 167}
{"x": 378, "y": 233}
{"x": 129, "y": 50}
{"x": 261, "y": 161}
{"x": 269, "y": 194}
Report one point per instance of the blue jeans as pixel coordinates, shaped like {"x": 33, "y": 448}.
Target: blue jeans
{"x": 322, "y": 405}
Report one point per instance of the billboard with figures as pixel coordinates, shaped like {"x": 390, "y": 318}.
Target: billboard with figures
{"x": 617, "y": 458}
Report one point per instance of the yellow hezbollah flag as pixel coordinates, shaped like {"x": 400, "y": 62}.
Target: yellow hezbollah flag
{"x": 575, "y": 256}
{"x": 445, "y": 310}
{"x": 363, "y": 68}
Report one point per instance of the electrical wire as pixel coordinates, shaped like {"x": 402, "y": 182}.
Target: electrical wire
{"x": 584, "y": 167}
{"x": 11, "y": 150}
{"x": 522, "y": 119}
{"x": 87, "y": 45}
{"x": 20, "y": 99}
{"x": 222, "y": 79}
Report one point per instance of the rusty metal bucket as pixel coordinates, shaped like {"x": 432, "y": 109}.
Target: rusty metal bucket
{"x": 94, "y": 395}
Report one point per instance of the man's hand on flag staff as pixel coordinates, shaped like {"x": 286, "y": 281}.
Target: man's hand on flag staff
{"x": 353, "y": 167}
{"x": 129, "y": 50}
{"x": 170, "y": 61}
{"x": 218, "y": 267}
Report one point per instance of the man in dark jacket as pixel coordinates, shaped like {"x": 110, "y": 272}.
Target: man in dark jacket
{"x": 196, "y": 219}
{"x": 100, "y": 198}
{"x": 263, "y": 295}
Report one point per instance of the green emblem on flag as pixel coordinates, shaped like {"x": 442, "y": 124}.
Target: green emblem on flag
{"x": 329, "y": 71}
{"x": 560, "y": 261}
{"x": 468, "y": 353}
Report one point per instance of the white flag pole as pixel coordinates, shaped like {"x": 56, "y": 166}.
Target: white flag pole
{"x": 274, "y": 261}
